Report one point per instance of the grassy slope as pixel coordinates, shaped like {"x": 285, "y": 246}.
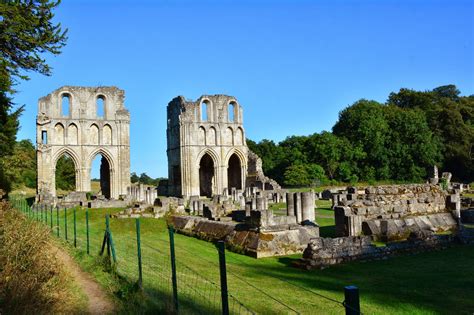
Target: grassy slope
{"x": 409, "y": 284}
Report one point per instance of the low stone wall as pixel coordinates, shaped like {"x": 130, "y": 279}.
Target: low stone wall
{"x": 323, "y": 252}
{"x": 240, "y": 238}
{"x": 394, "y": 211}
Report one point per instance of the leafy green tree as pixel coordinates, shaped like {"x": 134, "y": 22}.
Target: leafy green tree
{"x": 27, "y": 32}
{"x": 364, "y": 125}
{"x": 450, "y": 117}
{"x": 65, "y": 173}
{"x": 134, "y": 177}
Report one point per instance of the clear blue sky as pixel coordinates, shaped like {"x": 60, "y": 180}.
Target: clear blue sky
{"x": 293, "y": 65}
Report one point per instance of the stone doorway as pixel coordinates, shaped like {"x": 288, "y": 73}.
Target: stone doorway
{"x": 65, "y": 174}
{"x": 234, "y": 173}
{"x": 206, "y": 175}
{"x": 104, "y": 179}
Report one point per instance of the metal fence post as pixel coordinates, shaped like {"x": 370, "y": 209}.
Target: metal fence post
{"x": 46, "y": 216}
{"x": 41, "y": 211}
{"x": 223, "y": 274}
{"x": 87, "y": 230}
{"x": 351, "y": 300}
{"x": 173, "y": 268}
{"x": 57, "y": 220}
{"x": 139, "y": 253}
{"x": 110, "y": 239}
{"x": 65, "y": 223}
{"x": 75, "y": 238}
{"x": 51, "y": 217}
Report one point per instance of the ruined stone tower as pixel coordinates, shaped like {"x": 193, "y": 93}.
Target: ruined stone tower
{"x": 83, "y": 122}
{"x": 207, "y": 152}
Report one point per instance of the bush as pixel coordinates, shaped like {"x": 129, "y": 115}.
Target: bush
{"x": 32, "y": 280}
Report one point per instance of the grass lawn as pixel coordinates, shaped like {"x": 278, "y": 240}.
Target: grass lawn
{"x": 429, "y": 283}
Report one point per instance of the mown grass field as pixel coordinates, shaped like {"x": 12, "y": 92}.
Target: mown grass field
{"x": 429, "y": 283}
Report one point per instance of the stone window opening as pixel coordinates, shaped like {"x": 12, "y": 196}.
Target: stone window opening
{"x": 44, "y": 137}
{"x": 65, "y": 105}
{"x": 231, "y": 112}
{"x": 100, "y": 106}
{"x": 204, "y": 111}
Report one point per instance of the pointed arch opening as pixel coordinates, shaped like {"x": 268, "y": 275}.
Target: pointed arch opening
{"x": 58, "y": 134}
{"x": 65, "y": 175}
{"x": 101, "y": 176}
{"x": 72, "y": 134}
{"x": 107, "y": 135}
{"x": 206, "y": 175}
{"x": 94, "y": 134}
{"x": 234, "y": 172}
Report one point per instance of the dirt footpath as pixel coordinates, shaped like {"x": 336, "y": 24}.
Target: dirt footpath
{"x": 99, "y": 302}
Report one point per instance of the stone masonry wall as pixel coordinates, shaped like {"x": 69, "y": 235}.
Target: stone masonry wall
{"x": 323, "y": 252}
{"x": 392, "y": 212}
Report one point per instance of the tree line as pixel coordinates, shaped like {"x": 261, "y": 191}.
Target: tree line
{"x": 400, "y": 139}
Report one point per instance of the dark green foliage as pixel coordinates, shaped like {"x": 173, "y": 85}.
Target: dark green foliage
{"x": 145, "y": 179}
{"x": 298, "y": 175}
{"x": 20, "y": 166}
{"x": 400, "y": 140}
{"x": 26, "y": 33}
{"x": 65, "y": 173}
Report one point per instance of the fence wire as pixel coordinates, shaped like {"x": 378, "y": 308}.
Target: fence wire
{"x": 198, "y": 292}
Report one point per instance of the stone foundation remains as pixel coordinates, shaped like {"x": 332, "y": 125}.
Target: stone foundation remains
{"x": 248, "y": 239}
{"x": 392, "y": 212}
{"x": 323, "y": 252}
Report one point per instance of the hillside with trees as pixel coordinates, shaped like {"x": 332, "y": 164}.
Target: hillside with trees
{"x": 399, "y": 140}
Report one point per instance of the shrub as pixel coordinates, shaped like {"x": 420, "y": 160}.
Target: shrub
{"x": 32, "y": 280}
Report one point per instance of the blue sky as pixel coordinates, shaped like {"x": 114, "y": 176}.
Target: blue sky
{"x": 293, "y": 65}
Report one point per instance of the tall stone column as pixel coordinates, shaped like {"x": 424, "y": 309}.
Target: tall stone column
{"x": 290, "y": 204}
{"x": 307, "y": 201}
{"x": 298, "y": 214}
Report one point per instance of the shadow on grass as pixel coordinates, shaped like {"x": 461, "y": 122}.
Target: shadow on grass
{"x": 327, "y": 231}
{"x": 440, "y": 281}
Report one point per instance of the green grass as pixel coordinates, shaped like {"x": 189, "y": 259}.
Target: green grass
{"x": 429, "y": 283}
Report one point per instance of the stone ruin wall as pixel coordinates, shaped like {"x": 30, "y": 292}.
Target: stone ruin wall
{"x": 323, "y": 252}
{"x": 68, "y": 122}
{"x": 392, "y": 212}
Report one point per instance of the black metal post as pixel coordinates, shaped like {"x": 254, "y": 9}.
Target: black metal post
{"x": 65, "y": 223}
{"x": 139, "y": 253}
{"x": 87, "y": 230}
{"x": 223, "y": 272}
{"x": 351, "y": 300}
{"x": 75, "y": 235}
{"x": 173, "y": 269}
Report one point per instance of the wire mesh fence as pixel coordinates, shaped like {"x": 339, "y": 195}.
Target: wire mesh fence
{"x": 148, "y": 255}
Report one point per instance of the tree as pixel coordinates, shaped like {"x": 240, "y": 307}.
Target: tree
{"x": 26, "y": 33}
{"x": 134, "y": 177}
{"x": 20, "y": 166}
{"x": 364, "y": 125}
{"x": 65, "y": 173}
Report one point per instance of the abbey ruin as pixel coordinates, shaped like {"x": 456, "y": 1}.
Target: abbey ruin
{"x": 216, "y": 188}
{"x": 68, "y": 122}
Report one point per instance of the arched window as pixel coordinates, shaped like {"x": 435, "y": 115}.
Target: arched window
{"x": 65, "y": 105}
{"x": 231, "y": 111}
{"x": 204, "y": 111}
{"x": 100, "y": 106}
